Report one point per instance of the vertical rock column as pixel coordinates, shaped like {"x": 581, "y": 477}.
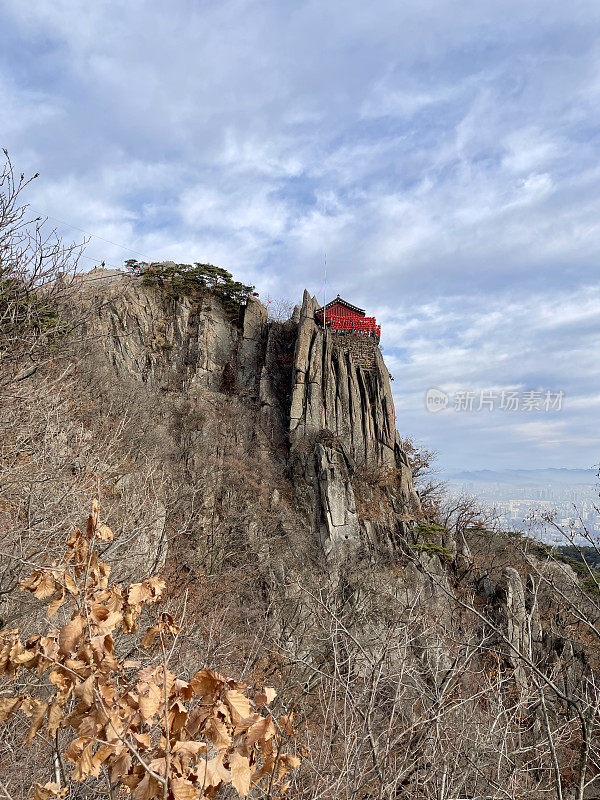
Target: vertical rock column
{"x": 341, "y": 416}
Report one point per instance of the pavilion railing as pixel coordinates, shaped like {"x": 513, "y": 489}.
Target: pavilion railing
{"x": 365, "y": 326}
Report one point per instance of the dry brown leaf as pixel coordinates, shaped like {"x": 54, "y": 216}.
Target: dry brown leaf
{"x": 177, "y": 716}
{"x": 102, "y": 646}
{"x": 24, "y": 657}
{"x": 62, "y": 680}
{"x": 189, "y": 749}
{"x": 150, "y": 636}
{"x": 88, "y": 727}
{"x": 95, "y": 511}
{"x": 102, "y": 754}
{"x": 40, "y": 583}
{"x": 212, "y": 773}
{"x": 158, "y": 765}
{"x": 150, "y": 700}
{"x": 183, "y": 689}
{"x": 70, "y": 584}
{"x": 239, "y": 705}
{"x": 108, "y": 693}
{"x": 146, "y": 592}
{"x": 70, "y": 634}
{"x": 74, "y": 749}
{"x": 78, "y": 665}
{"x": 54, "y": 718}
{"x": 56, "y": 602}
{"x": 104, "y": 533}
{"x": 271, "y": 693}
{"x": 183, "y": 789}
{"x": 119, "y": 766}
{"x": 287, "y": 763}
{"x": 157, "y": 585}
{"x": 168, "y": 624}
{"x": 132, "y": 780}
{"x": 137, "y": 594}
{"x": 84, "y": 764}
{"x": 265, "y": 697}
{"x": 266, "y": 769}
{"x": 37, "y": 719}
{"x": 129, "y": 618}
{"x": 196, "y": 720}
{"x": 147, "y": 788}
{"x": 246, "y": 723}
{"x": 207, "y": 684}
{"x": 8, "y": 706}
{"x": 85, "y": 691}
{"x": 218, "y": 734}
{"x": 112, "y": 621}
{"x": 49, "y": 791}
{"x": 263, "y": 730}
{"x": 286, "y": 724}
{"x": 99, "y": 612}
{"x": 154, "y": 674}
{"x": 241, "y": 774}
{"x": 143, "y": 739}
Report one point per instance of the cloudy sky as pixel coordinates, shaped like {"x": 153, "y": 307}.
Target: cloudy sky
{"x": 444, "y": 155}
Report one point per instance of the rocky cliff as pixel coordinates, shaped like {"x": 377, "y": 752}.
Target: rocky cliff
{"x": 281, "y": 445}
{"x": 256, "y": 466}
{"x": 318, "y": 410}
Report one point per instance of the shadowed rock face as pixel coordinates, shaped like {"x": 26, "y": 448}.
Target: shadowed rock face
{"x": 173, "y": 344}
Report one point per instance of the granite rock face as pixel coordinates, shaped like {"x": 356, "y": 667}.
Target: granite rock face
{"x": 281, "y": 445}
{"x": 341, "y": 401}
{"x": 340, "y": 529}
{"x": 341, "y": 384}
{"x": 316, "y": 407}
{"x": 178, "y": 344}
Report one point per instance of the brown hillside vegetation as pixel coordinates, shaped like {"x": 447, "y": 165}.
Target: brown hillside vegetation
{"x": 132, "y": 718}
{"x": 260, "y": 520}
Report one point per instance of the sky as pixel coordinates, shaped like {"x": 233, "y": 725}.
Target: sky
{"x": 442, "y": 156}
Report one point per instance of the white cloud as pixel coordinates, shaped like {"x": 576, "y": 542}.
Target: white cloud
{"x": 444, "y": 155}
{"x": 529, "y": 149}
{"x": 24, "y": 110}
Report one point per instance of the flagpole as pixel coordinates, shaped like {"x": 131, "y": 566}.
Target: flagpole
{"x": 326, "y": 369}
{"x": 325, "y": 303}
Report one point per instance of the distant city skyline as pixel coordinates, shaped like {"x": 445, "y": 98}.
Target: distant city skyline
{"x": 572, "y": 494}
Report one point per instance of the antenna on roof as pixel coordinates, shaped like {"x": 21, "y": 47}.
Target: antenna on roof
{"x": 326, "y": 371}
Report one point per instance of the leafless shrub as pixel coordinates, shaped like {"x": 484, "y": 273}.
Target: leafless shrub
{"x": 36, "y": 282}
{"x": 430, "y": 488}
{"x": 279, "y": 309}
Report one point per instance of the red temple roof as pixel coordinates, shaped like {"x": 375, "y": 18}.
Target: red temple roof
{"x": 339, "y": 302}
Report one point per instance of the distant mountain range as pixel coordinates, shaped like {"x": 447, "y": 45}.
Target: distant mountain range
{"x": 560, "y": 476}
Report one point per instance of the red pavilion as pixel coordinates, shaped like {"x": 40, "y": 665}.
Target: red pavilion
{"x": 342, "y": 317}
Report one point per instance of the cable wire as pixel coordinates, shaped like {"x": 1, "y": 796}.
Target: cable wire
{"x": 102, "y": 239}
